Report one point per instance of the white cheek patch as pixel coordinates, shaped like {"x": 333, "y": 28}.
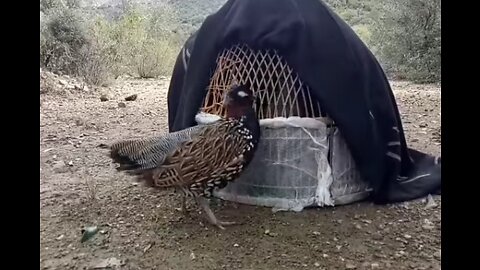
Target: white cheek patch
{"x": 242, "y": 94}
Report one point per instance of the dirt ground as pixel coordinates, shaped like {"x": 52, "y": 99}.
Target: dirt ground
{"x": 141, "y": 229}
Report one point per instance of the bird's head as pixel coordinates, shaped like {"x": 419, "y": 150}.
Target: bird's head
{"x": 239, "y": 101}
{"x": 239, "y": 95}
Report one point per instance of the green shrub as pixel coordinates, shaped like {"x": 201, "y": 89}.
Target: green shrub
{"x": 139, "y": 43}
{"x": 408, "y": 39}
{"x": 62, "y": 36}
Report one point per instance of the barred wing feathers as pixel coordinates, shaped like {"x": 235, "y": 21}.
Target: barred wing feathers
{"x": 208, "y": 160}
{"x": 137, "y": 155}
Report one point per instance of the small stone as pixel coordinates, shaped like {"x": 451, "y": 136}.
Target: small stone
{"x": 122, "y": 105}
{"x": 88, "y": 233}
{"x": 407, "y": 236}
{"x": 60, "y": 237}
{"x": 103, "y": 98}
{"x": 316, "y": 264}
{"x": 148, "y": 247}
{"x": 131, "y": 98}
{"x": 60, "y": 167}
{"x": 236, "y": 245}
{"x": 192, "y": 256}
{"x": 374, "y": 265}
{"x": 108, "y": 263}
{"x": 78, "y": 256}
{"x": 350, "y": 266}
{"x": 428, "y": 227}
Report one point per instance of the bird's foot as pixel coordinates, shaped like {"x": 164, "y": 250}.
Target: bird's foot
{"x": 221, "y": 224}
{"x": 211, "y": 217}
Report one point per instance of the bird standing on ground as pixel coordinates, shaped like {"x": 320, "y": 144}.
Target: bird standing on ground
{"x": 199, "y": 159}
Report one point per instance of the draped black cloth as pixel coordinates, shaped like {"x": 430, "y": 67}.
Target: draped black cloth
{"x": 340, "y": 70}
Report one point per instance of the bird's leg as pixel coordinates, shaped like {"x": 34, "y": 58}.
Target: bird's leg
{"x": 210, "y": 216}
{"x": 184, "y": 206}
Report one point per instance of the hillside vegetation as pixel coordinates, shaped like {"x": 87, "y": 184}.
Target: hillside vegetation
{"x": 100, "y": 40}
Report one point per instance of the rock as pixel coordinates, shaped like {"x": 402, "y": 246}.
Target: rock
{"x": 110, "y": 263}
{"x": 148, "y": 247}
{"x": 350, "y": 266}
{"x": 428, "y": 227}
{"x": 131, "y": 98}
{"x": 427, "y": 224}
{"x": 103, "y": 98}
{"x": 122, "y": 105}
{"x": 269, "y": 233}
{"x": 88, "y": 233}
{"x": 60, "y": 167}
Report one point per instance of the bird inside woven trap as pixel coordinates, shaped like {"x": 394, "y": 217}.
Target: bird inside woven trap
{"x": 198, "y": 159}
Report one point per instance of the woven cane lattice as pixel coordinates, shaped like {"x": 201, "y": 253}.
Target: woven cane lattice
{"x": 279, "y": 90}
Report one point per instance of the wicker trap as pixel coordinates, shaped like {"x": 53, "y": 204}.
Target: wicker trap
{"x": 279, "y": 90}
{"x": 302, "y": 160}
